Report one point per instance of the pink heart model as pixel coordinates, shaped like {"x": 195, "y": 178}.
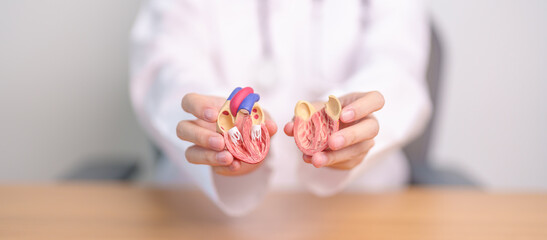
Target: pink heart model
{"x": 241, "y": 122}
{"x": 312, "y": 128}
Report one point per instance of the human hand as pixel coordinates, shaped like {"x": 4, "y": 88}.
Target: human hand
{"x": 358, "y": 128}
{"x": 209, "y": 147}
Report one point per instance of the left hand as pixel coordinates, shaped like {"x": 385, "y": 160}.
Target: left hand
{"x": 358, "y": 128}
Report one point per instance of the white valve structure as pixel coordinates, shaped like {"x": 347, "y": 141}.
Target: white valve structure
{"x": 256, "y": 132}
{"x": 235, "y": 135}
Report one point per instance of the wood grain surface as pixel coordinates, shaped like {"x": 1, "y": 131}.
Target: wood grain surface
{"x": 115, "y": 211}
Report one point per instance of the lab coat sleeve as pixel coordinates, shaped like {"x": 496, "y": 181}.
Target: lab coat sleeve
{"x": 172, "y": 55}
{"x": 393, "y": 54}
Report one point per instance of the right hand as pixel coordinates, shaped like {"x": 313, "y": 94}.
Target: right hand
{"x": 209, "y": 148}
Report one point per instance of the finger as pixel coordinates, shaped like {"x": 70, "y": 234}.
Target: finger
{"x": 288, "y": 129}
{"x": 349, "y": 98}
{"x": 189, "y": 131}
{"x": 362, "y": 107}
{"x": 306, "y": 158}
{"x": 206, "y": 125}
{"x": 361, "y": 131}
{"x": 198, "y": 155}
{"x": 271, "y": 126}
{"x": 233, "y": 169}
{"x": 202, "y": 106}
{"x": 347, "y": 165}
{"x": 322, "y": 159}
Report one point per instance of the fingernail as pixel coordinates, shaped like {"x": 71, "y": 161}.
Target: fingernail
{"x": 348, "y": 115}
{"x": 222, "y": 158}
{"x": 209, "y": 114}
{"x": 338, "y": 141}
{"x": 320, "y": 160}
{"x": 216, "y": 142}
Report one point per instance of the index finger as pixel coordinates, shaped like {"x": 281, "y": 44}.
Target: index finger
{"x": 289, "y": 128}
{"x": 202, "y": 106}
{"x": 362, "y": 107}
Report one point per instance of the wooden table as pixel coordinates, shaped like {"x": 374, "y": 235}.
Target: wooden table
{"x": 114, "y": 211}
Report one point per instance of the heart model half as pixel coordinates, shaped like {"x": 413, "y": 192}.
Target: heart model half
{"x": 312, "y": 128}
{"x": 241, "y": 122}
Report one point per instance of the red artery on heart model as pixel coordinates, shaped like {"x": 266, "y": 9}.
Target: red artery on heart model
{"x": 241, "y": 122}
{"x": 312, "y": 128}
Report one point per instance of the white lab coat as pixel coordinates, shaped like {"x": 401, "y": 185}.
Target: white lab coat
{"x": 287, "y": 51}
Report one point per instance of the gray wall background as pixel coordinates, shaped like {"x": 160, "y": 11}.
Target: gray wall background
{"x": 64, "y": 86}
{"x": 493, "y": 120}
{"x": 64, "y": 96}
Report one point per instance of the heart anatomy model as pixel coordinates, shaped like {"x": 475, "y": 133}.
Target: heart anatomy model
{"x": 313, "y": 128}
{"x": 241, "y": 122}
